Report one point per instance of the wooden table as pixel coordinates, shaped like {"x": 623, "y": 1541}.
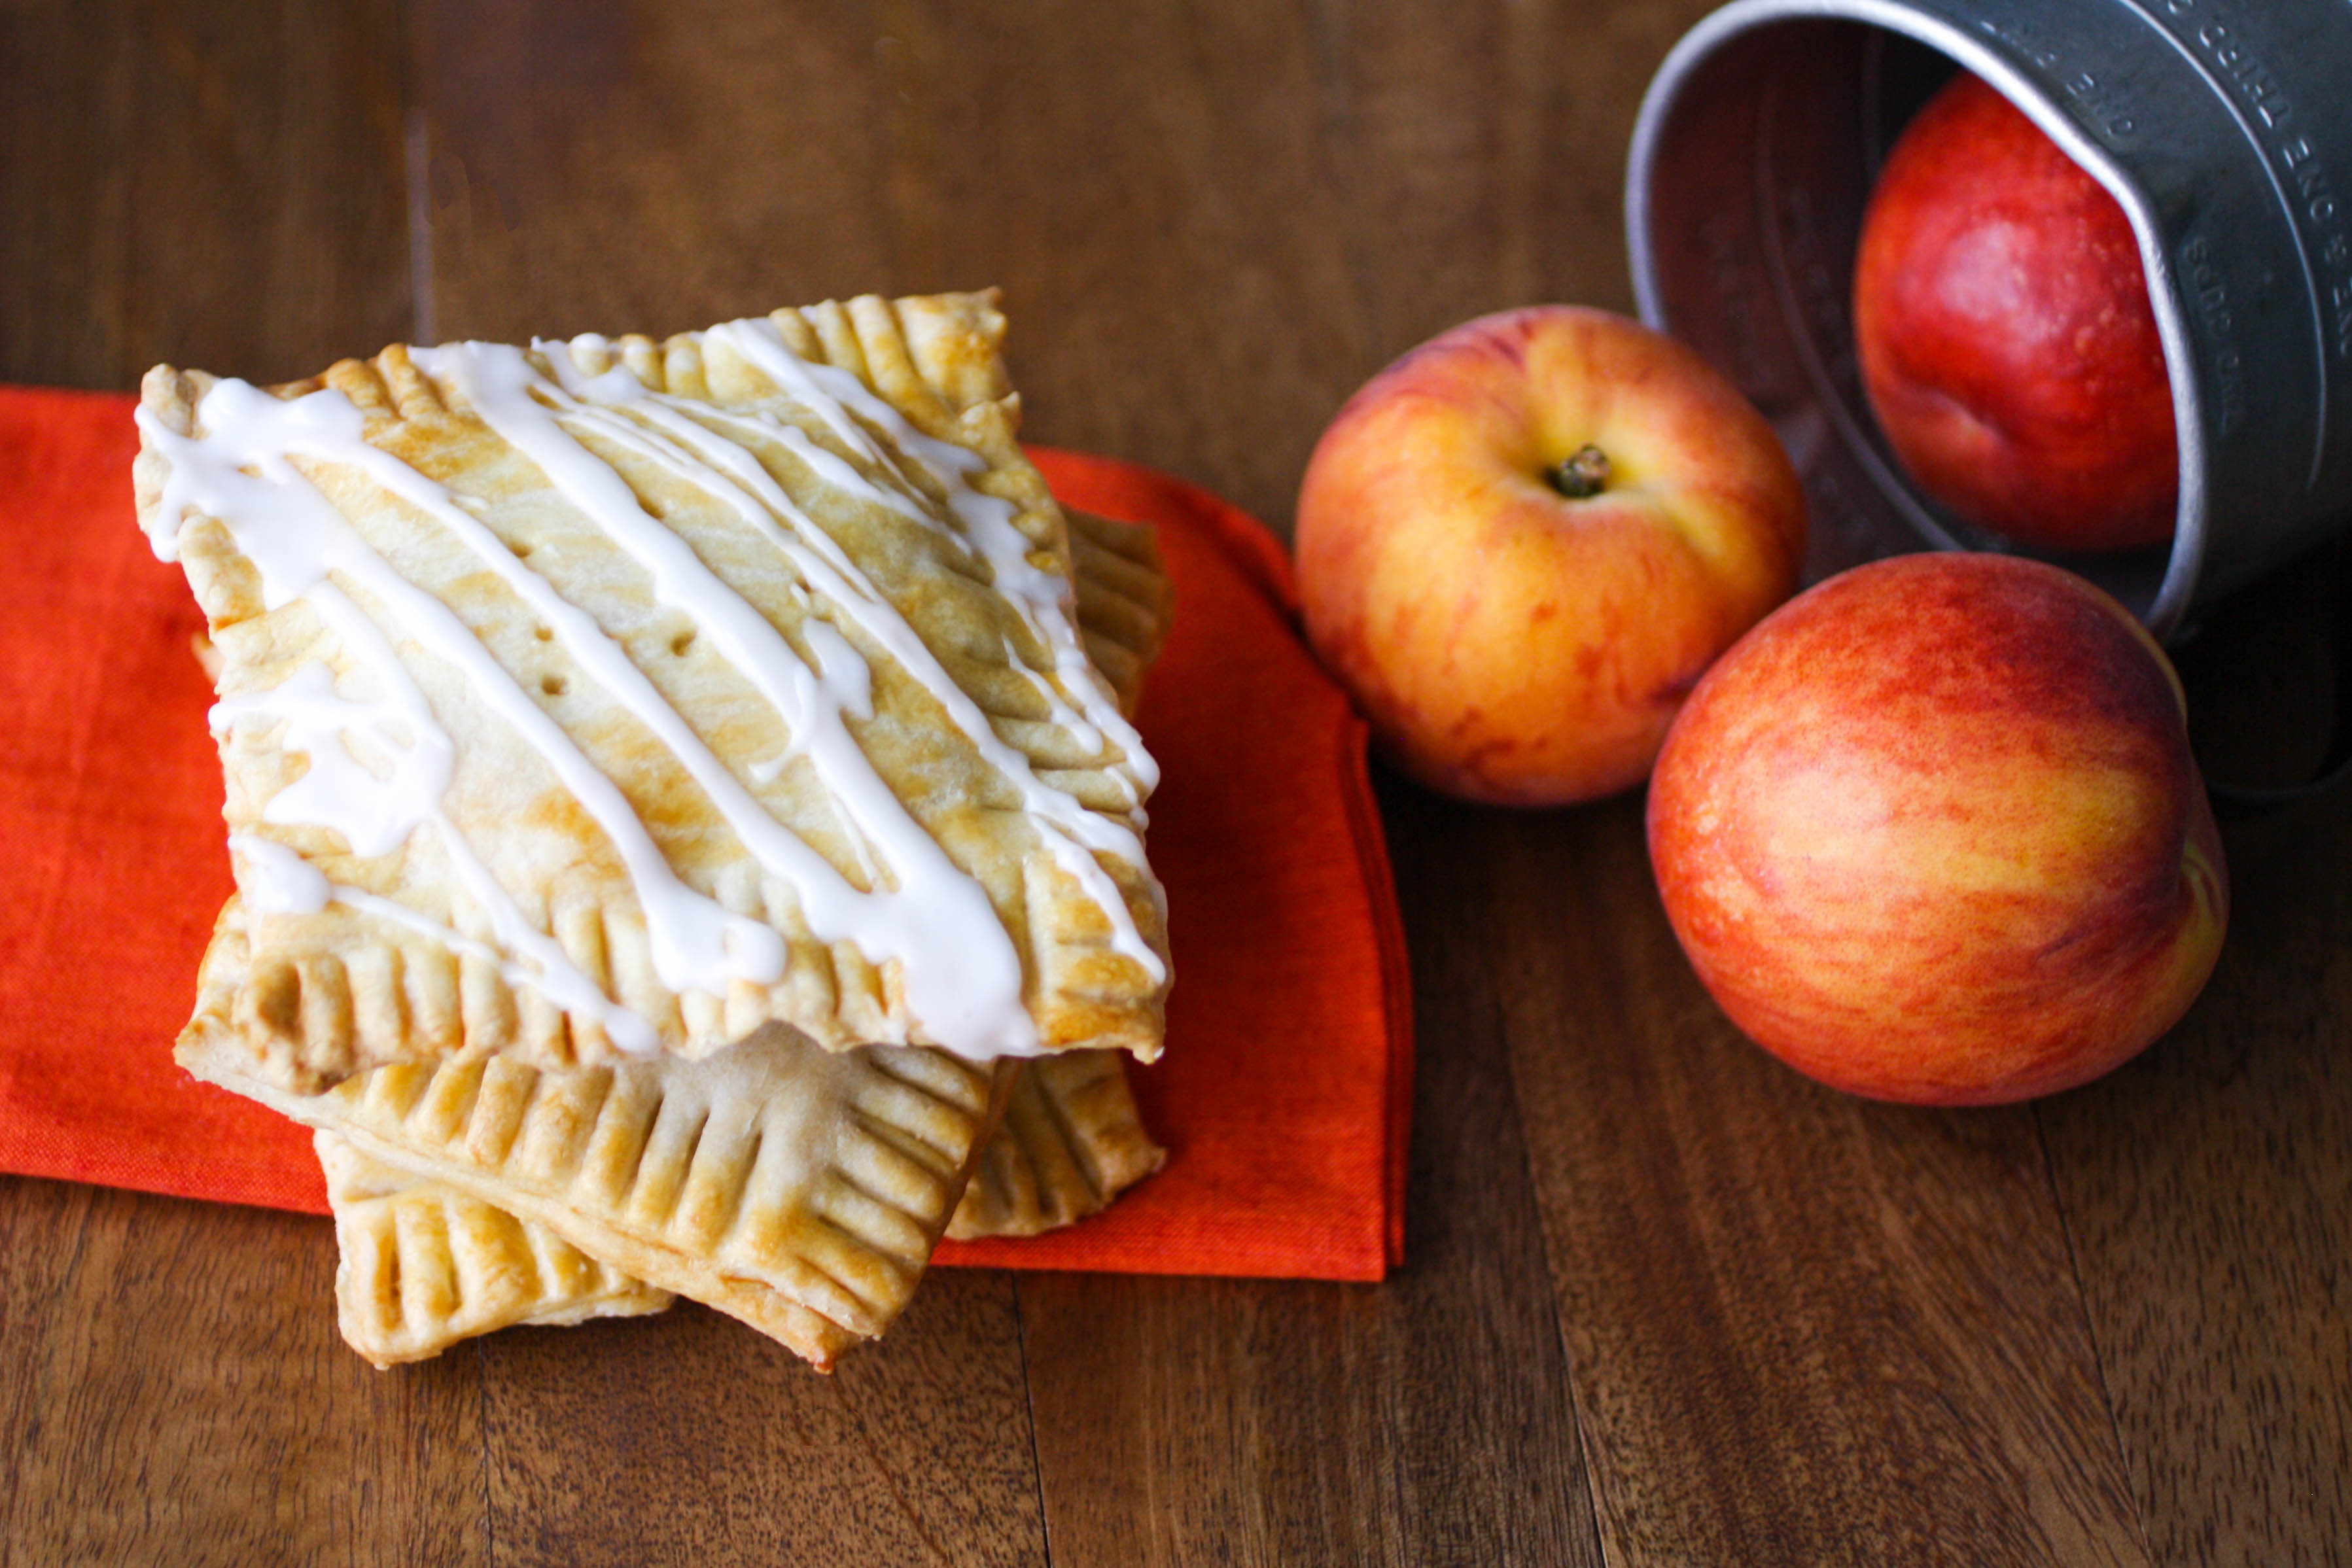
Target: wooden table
{"x": 1666, "y": 1304}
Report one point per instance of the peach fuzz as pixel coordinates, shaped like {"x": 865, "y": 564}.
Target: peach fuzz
{"x": 1932, "y": 833}
{"x": 1512, "y": 644}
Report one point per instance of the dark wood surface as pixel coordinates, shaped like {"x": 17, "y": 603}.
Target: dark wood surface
{"x": 1666, "y": 1304}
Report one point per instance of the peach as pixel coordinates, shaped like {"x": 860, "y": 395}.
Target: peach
{"x": 1521, "y": 545}
{"x": 2008, "y": 346}
{"x": 1932, "y": 833}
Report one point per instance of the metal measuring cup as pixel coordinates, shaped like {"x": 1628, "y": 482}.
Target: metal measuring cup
{"x": 2225, "y": 131}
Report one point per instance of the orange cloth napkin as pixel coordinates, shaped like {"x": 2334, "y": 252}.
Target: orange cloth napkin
{"x": 1284, "y": 1092}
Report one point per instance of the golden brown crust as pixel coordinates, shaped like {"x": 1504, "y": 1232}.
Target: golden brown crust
{"x": 799, "y": 1189}
{"x": 309, "y": 999}
{"x": 1125, "y": 601}
{"x": 422, "y": 1266}
{"x": 1072, "y": 1140}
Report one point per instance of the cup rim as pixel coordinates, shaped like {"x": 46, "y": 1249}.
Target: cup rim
{"x": 2190, "y": 528}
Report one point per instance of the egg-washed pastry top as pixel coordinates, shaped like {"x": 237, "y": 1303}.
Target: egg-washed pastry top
{"x": 613, "y": 697}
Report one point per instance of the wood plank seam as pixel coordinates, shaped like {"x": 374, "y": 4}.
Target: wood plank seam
{"x": 2090, "y": 1332}
{"x": 489, "y": 1493}
{"x": 1585, "y": 1434}
{"x": 1029, "y": 1403}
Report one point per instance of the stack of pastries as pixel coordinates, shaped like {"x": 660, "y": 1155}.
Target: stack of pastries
{"x": 688, "y": 834}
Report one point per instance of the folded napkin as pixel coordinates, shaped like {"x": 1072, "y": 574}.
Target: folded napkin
{"x": 1284, "y": 1092}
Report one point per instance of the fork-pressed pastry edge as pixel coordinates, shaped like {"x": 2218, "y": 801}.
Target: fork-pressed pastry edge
{"x": 306, "y": 1018}
{"x": 800, "y": 1190}
{"x": 423, "y": 1266}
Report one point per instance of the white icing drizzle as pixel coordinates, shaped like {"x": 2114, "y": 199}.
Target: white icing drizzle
{"x": 1072, "y": 830}
{"x": 1039, "y": 597}
{"x": 381, "y": 765}
{"x": 375, "y": 812}
{"x": 374, "y": 803}
{"x": 959, "y": 970}
{"x": 240, "y": 472}
{"x": 277, "y": 881}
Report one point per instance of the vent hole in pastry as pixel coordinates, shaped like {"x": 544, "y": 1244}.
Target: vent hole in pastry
{"x": 682, "y": 642}
{"x": 553, "y": 685}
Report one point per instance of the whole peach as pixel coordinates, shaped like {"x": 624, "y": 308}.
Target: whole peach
{"x": 1521, "y": 544}
{"x": 2007, "y": 343}
{"x": 1932, "y": 833}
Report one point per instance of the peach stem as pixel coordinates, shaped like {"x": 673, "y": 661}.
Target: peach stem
{"x": 1582, "y": 475}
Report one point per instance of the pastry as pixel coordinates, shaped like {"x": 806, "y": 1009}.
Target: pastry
{"x": 614, "y": 699}
{"x": 428, "y": 1259}
{"x": 1070, "y": 1142}
{"x": 421, "y": 1266}
{"x": 424, "y": 1265}
{"x": 1125, "y": 601}
{"x": 799, "y": 1189}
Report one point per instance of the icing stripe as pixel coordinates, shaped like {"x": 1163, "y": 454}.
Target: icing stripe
{"x": 958, "y": 969}
{"x": 295, "y": 538}
{"x": 1040, "y": 598}
{"x": 379, "y": 767}
{"x": 1072, "y": 828}
{"x": 277, "y": 881}
{"x": 370, "y": 810}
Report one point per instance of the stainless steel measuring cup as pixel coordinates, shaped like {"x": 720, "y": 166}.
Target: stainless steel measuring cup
{"x": 2225, "y": 131}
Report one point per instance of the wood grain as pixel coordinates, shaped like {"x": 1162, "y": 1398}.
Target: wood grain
{"x": 690, "y": 1438}
{"x": 1082, "y": 155}
{"x": 2206, "y": 1184}
{"x": 1803, "y": 1327}
{"x": 2209, "y": 1185}
{"x": 214, "y": 183}
{"x": 1665, "y": 1303}
{"x": 1424, "y": 1421}
{"x": 177, "y": 1393}
{"x": 657, "y": 167}
{"x": 1235, "y": 214}
{"x": 645, "y": 167}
